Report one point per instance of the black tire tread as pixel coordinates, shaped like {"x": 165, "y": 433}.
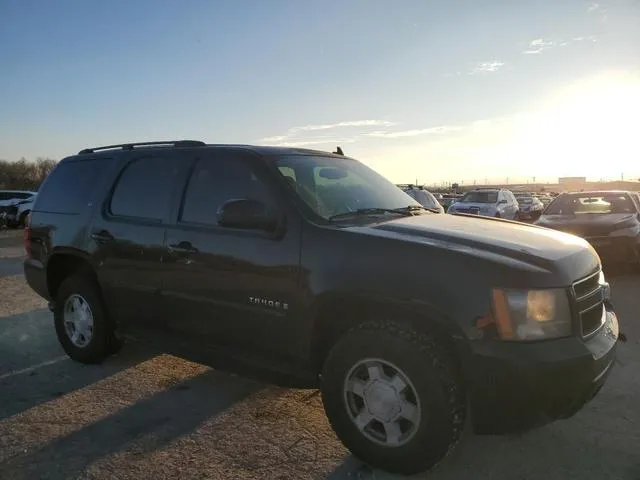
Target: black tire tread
{"x": 441, "y": 361}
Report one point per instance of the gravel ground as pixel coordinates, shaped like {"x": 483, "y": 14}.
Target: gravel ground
{"x": 147, "y": 415}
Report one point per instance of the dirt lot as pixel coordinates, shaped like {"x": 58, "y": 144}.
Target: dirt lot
{"x": 145, "y": 415}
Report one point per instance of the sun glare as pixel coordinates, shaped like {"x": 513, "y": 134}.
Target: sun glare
{"x": 590, "y": 128}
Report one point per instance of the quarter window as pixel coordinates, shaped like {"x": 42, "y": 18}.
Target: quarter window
{"x": 144, "y": 189}
{"x": 70, "y": 185}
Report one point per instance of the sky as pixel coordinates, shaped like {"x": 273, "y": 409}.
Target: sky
{"x": 438, "y": 91}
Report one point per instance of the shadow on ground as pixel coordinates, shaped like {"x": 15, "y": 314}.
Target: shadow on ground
{"x": 151, "y": 424}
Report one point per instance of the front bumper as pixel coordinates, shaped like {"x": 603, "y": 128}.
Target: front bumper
{"x": 529, "y": 214}
{"x": 516, "y": 386}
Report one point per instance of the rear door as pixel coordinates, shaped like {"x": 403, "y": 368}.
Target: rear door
{"x": 128, "y": 236}
{"x": 227, "y": 285}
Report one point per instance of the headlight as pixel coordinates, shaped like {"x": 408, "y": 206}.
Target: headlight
{"x": 531, "y": 314}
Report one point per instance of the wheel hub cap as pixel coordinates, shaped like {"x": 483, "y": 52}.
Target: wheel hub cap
{"x": 382, "y": 400}
{"x": 78, "y": 320}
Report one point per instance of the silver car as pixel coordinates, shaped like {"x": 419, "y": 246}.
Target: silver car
{"x": 423, "y": 196}
{"x": 15, "y": 205}
{"x": 487, "y": 202}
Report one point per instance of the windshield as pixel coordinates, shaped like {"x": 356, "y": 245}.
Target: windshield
{"x": 332, "y": 186}
{"x": 480, "y": 197}
{"x": 576, "y": 204}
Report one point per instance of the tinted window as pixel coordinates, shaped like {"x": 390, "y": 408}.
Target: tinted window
{"x": 68, "y": 187}
{"x": 144, "y": 189}
{"x": 216, "y": 181}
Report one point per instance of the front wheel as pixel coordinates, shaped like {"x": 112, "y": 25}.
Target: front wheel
{"x": 393, "y": 397}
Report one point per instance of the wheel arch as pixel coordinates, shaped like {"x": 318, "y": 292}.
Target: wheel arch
{"x": 337, "y": 314}
{"x": 64, "y": 263}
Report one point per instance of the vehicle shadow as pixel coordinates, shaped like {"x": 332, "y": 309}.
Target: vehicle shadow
{"x": 553, "y": 452}
{"x": 145, "y": 426}
{"x": 34, "y": 369}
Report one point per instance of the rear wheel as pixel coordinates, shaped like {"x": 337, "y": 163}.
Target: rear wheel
{"x": 497, "y": 215}
{"x": 393, "y": 398}
{"x": 81, "y": 320}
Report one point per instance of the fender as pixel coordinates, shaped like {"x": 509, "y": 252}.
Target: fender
{"x": 334, "y": 313}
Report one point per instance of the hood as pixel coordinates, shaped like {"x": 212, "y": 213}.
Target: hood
{"x": 585, "y": 225}
{"x": 499, "y": 239}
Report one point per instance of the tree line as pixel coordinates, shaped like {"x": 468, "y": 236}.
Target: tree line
{"x": 24, "y": 174}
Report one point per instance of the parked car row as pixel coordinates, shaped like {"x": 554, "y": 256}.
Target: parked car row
{"x": 15, "y": 205}
{"x": 608, "y": 220}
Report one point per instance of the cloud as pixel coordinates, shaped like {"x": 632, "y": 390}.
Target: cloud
{"x": 276, "y": 139}
{"x": 538, "y": 45}
{"x": 590, "y": 38}
{"x": 486, "y": 67}
{"x": 441, "y": 130}
{"x": 293, "y": 136}
{"x": 593, "y": 7}
{"x": 307, "y": 143}
{"x": 357, "y": 123}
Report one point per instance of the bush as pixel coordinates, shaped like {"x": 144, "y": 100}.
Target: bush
{"x": 23, "y": 174}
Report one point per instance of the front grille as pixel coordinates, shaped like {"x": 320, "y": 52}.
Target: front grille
{"x": 589, "y": 302}
{"x": 473, "y": 211}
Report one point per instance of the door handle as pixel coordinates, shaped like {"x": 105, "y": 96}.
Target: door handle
{"x": 182, "y": 247}
{"x": 102, "y": 236}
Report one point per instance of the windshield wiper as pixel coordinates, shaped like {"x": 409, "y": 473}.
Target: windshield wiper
{"x": 406, "y": 211}
{"x": 361, "y": 212}
{"x": 414, "y": 208}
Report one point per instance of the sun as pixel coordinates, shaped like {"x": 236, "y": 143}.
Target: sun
{"x": 590, "y": 128}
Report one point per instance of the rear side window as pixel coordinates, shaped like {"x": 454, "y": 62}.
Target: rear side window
{"x": 143, "y": 189}
{"x": 68, "y": 187}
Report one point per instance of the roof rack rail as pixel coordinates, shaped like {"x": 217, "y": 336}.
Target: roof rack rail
{"x": 131, "y": 146}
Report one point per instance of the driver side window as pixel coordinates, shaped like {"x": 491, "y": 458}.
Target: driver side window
{"x": 215, "y": 181}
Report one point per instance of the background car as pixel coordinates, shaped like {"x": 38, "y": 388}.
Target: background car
{"x": 15, "y": 205}
{"x": 423, "y": 196}
{"x": 487, "y": 202}
{"x": 609, "y": 220}
{"x": 545, "y": 199}
{"x": 530, "y": 206}
{"x": 447, "y": 200}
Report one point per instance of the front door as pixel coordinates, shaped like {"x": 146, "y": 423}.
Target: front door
{"x": 128, "y": 239}
{"x": 229, "y": 286}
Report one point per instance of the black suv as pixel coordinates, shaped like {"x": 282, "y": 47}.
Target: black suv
{"x": 312, "y": 265}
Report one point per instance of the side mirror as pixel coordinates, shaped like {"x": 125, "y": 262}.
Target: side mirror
{"x": 247, "y": 214}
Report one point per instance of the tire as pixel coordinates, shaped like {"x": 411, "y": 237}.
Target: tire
{"x": 431, "y": 387}
{"x": 100, "y": 341}
{"x": 497, "y": 215}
